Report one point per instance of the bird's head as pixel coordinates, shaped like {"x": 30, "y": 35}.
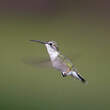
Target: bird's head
{"x": 49, "y": 44}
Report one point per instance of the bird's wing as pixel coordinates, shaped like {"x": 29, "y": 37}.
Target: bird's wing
{"x": 66, "y": 61}
{"x": 37, "y": 62}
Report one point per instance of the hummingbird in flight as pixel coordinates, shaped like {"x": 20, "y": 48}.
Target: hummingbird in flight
{"x": 59, "y": 61}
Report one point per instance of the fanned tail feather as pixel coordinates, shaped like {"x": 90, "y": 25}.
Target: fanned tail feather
{"x": 81, "y": 78}
{"x": 76, "y": 75}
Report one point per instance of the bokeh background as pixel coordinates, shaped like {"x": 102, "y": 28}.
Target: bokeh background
{"x": 82, "y": 30}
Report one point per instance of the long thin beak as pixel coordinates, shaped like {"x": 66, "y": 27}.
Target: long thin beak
{"x": 39, "y": 41}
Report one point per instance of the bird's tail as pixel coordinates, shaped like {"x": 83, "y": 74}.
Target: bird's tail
{"x": 78, "y": 76}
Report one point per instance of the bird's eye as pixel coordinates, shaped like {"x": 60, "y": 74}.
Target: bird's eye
{"x": 50, "y": 43}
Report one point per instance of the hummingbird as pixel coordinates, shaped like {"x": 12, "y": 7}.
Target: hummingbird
{"x": 59, "y": 61}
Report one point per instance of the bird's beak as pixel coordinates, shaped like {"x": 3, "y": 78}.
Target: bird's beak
{"x": 39, "y": 41}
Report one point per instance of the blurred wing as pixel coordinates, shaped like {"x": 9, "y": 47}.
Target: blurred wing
{"x": 66, "y": 61}
{"x": 63, "y": 62}
{"x": 74, "y": 56}
{"x": 37, "y": 62}
{"x": 46, "y": 63}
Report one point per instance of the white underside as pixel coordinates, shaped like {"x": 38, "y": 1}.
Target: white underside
{"x": 52, "y": 53}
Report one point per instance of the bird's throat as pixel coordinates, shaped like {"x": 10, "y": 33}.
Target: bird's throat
{"x": 52, "y": 52}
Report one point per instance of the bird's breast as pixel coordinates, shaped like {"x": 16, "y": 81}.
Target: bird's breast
{"x": 52, "y": 53}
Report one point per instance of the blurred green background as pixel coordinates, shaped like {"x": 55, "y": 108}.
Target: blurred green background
{"x": 83, "y": 35}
